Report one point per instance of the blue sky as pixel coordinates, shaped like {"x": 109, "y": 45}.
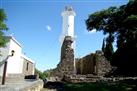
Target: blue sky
{"x": 37, "y": 25}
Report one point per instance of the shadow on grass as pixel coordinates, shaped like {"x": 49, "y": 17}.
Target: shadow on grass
{"x": 98, "y": 86}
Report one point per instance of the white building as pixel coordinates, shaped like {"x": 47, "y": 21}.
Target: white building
{"x": 68, "y": 24}
{"x": 18, "y": 64}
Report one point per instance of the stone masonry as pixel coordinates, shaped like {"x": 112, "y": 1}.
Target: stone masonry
{"x": 66, "y": 65}
{"x": 94, "y": 63}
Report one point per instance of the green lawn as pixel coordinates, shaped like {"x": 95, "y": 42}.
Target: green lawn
{"x": 101, "y": 86}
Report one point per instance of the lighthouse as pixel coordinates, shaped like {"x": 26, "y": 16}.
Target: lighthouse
{"x": 68, "y": 24}
{"x": 66, "y": 65}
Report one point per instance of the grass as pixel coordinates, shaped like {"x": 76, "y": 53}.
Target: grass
{"x": 99, "y": 86}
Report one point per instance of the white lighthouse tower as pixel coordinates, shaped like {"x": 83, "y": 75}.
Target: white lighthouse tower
{"x": 68, "y": 24}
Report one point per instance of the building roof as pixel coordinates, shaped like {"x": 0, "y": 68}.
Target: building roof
{"x": 11, "y": 37}
{"x": 22, "y": 55}
{"x": 27, "y": 58}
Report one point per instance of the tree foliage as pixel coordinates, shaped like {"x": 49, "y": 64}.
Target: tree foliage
{"x": 41, "y": 75}
{"x": 107, "y": 48}
{"x": 120, "y": 23}
{"x": 103, "y": 45}
{"x": 47, "y": 73}
{"x": 3, "y": 27}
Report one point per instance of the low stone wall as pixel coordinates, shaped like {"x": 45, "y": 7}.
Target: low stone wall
{"x": 12, "y": 78}
{"x": 46, "y": 89}
{"x": 117, "y": 78}
{"x": 29, "y": 85}
{"x": 92, "y": 78}
{"x": 82, "y": 78}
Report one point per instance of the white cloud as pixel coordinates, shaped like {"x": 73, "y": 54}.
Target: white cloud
{"x": 90, "y": 32}
{"x": 48, "y": 28}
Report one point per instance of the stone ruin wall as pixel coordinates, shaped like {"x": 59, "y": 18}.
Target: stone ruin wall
{"x": 66, "y": 64}
{"x": 94, "y": 63}
{"x": 84, "y": 64}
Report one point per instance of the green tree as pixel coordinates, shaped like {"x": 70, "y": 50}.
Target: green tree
{"x": 48, "y": 72}
{"x": 107, "y": 48}
{"x": 3, "y": 28}
{"x": 41, "y": 75}
{"x": 120, "y": 23}
{"x": 103, "y": 45}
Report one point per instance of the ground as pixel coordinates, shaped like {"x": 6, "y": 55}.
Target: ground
{"x": 126, "y": 85}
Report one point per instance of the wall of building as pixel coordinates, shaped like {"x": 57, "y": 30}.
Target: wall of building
{"x": 68, "y": 25}
{"x": 4, "y": 53}
{"x": 14, "y": 65}
{"x": 28, "y": 67}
